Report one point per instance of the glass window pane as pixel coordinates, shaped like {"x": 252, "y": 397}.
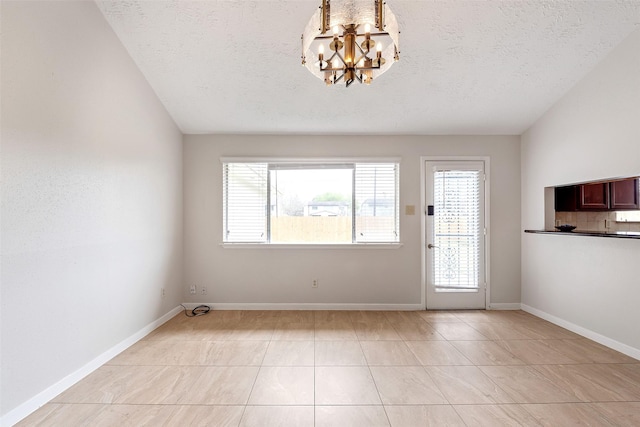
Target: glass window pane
{"x": 311, "y": 205}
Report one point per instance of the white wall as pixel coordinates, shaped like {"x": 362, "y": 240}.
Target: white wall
{"x": 91, "y": 196}
{"x": 591, "y": 133}
{"x": 347, "y": 276}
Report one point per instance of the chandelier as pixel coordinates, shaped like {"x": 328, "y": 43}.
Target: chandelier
{"x": 350, "y": 40}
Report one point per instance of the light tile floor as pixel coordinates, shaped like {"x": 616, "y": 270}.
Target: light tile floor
{"x": 359, "y": 368}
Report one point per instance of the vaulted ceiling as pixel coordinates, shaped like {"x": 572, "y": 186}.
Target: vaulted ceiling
{"x": 467, "y": 67}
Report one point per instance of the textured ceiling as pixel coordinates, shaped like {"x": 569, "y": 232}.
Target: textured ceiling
{"x": 467, "y": 67}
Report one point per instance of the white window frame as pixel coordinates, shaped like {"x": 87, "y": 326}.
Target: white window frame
{"x": 310, "y": 162}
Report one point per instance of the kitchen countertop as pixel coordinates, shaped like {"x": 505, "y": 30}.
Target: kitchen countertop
{"x": 615, "y": 234}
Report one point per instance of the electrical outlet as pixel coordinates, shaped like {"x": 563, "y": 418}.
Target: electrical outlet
{"x": 162, "y": 292}
{"x": 314, "y": 284}
{"x": 203, "y": 290}
{"x": 192, "y": 289}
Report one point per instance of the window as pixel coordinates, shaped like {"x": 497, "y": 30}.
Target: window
{"x": 627, "y": 216}
{"x": 310, "y": 202}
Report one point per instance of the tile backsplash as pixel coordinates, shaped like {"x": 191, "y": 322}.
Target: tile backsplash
{"x": 595, "y": 221}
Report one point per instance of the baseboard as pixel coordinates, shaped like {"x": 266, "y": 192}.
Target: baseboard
{"x": 328, "y": 306}
{"x": 15, "y": 415}
{"x": 305, "y": 306}
{"x": 505, "y": 306}
{"x": 587, "y": 333}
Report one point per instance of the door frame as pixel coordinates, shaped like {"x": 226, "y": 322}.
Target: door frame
{"x": 487, "y": 221}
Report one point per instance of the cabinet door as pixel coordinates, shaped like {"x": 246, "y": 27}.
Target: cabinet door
{"x": 566, "y": 198}
{"x": 594, "y": 196}
{"x": 624, "y": 194}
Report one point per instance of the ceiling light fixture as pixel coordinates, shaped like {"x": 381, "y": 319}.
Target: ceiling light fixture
{"x": 359, "y": 34}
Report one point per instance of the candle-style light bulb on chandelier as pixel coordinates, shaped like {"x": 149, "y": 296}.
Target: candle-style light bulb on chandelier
{"x": 350, "y": 40}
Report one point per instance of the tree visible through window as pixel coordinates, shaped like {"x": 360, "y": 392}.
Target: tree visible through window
{"x": 310, "y": 202}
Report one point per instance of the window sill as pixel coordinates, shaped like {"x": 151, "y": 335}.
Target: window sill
{"x": 311, "y": 245}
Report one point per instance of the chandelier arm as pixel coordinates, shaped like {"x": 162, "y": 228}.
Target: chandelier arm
{"x": 361, "y": 57}
{"x": 361, "y": 51}
{"x": 331, "y": 69}
{"x": 373, "y": 68}
{"x": 341, "y": 58}
{"x": 379, "y": 33}
{"x": 330, "y": 61}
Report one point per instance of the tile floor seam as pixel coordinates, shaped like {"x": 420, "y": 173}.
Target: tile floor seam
{"x": 244, "y": 409}
{"x": 460, "y": 416}
{"x": 374, "y": 383}
{"x": 424, "y": 368}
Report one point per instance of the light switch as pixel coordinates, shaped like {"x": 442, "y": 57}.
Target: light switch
{"x": 410, "y": 210}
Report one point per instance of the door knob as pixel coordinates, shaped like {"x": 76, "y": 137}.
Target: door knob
{"x": 431, "y": 246}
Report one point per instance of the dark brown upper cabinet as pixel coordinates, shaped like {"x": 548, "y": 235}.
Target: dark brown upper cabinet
{"x": 624, "y": 194}
{"x": 593, "y": 197}
{"x": 566, "y": 198}
{"x": 599, "y": 196}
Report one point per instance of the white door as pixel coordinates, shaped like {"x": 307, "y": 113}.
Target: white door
{"x": 455, "y": 235}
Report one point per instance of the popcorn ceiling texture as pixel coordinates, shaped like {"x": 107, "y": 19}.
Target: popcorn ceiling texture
{"x": 467, "y": 67}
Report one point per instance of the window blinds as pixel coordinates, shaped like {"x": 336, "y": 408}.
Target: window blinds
{"x": 245, "y": 202}
{"x": 376, "y": 194}
{"x": 456, "y": 229}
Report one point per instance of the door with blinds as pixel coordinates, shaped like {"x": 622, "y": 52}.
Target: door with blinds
{"x": 455, "y": 228}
